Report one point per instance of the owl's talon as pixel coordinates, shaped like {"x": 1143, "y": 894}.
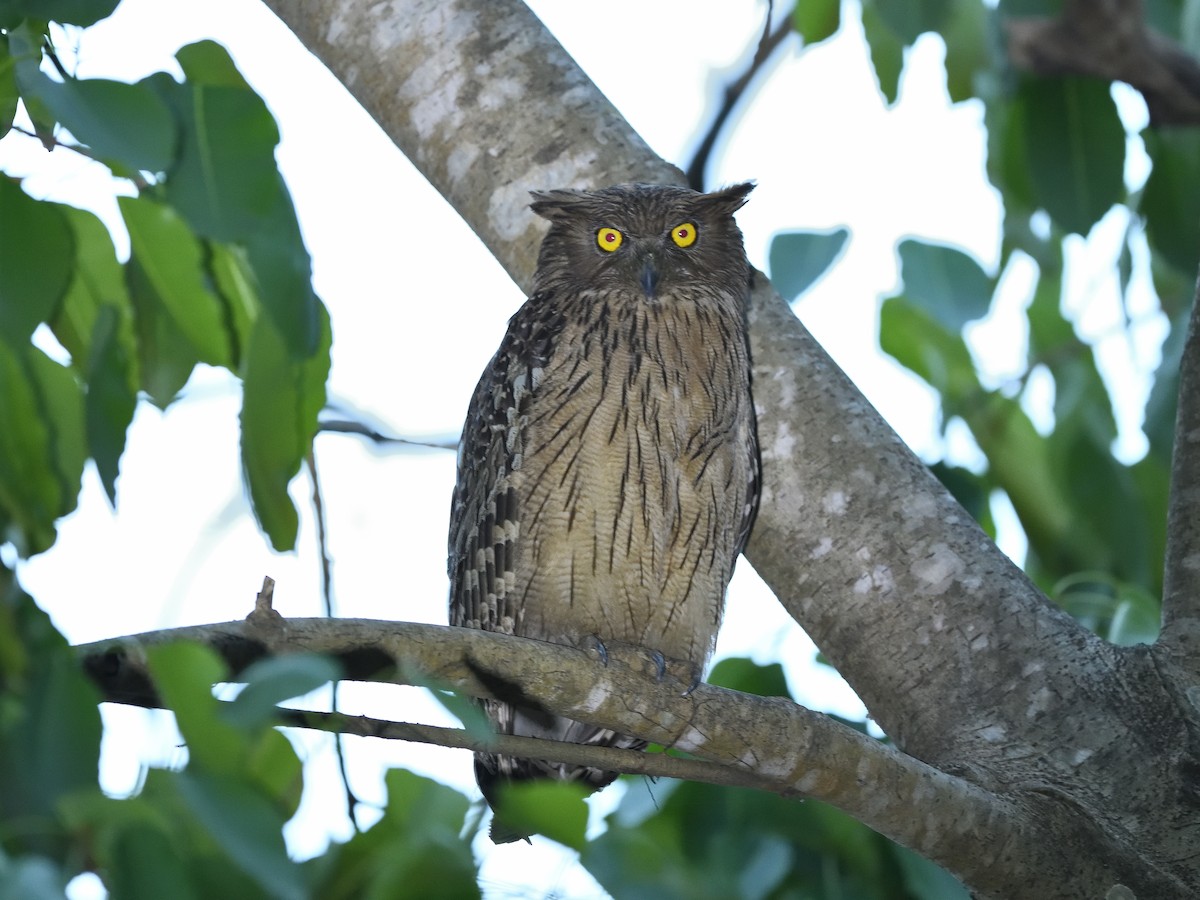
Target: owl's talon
{"x": 696, "y": 679}
{"x": 601, "y": 650}
{"x": 660, "y": 665}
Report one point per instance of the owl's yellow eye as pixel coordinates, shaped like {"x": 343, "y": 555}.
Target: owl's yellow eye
{"x": 609, "y": 239}
{"x": 684, "y": 235}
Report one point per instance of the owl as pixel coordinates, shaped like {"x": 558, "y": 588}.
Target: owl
{"x": 608, "y": 471}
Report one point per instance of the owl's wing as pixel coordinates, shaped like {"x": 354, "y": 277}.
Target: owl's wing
{"x": 484, "y": 516}
{"x": 753, "y": 489}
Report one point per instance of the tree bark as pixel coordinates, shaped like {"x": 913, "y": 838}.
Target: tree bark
{"x": 1181, "y": 575}
{"x": 1081, "y": 752}
{"x": 1111, "y": 40}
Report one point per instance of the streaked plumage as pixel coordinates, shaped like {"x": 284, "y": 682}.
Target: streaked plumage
{"x": 608, "y": 472}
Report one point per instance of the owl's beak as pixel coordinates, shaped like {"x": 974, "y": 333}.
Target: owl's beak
{"x": 649, "y": 279}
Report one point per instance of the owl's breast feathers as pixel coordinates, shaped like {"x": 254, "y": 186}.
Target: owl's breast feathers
{"x": 608, "y": 473}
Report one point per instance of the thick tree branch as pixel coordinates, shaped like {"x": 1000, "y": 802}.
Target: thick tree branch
{"x": 1111, "y": 40}
{"x": 1181, "y": 577}
{"x": 444, "y": 79}
{"x": 770, "y": 743}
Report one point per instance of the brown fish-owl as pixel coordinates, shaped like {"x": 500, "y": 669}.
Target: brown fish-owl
{"x": 608, "y": 471}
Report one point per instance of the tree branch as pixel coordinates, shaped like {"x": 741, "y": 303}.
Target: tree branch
{"x": 631, "y": 762}
{"x": 1110, "y": 40}
{"x": 1181, "y": 576}
{"x": 738, "y": 733}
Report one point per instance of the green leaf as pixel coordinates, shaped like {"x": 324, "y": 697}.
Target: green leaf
{"x": 1075, "y": 147}
{"x": 228, "y": 187}
{"x": 123, "y": 123}
{"x": 965, "y": 33}
{"x": 1050, "y": 9}
{"x": 279, "y": 418}
{"x": 8, "y": 87}
{"x": 226, "y": 182}
{"x": 1019, "y": 463}
{"x": 816, "y": 20}
{"x": 1117, "y": 611}
{"x": 275, "y": 768}
{"x": 946, "y": 283}
{"x": 207, "y": 62}
{"x": 29, "y": 492}
{"x": 36, "y": 250}
{"x": 31, "y": 878}
{"x": 749, "y": 677}
{"x": 1007, "y": 168}
{"x": 50, "y": 727}
{"x": 466, "y": 710}
{"x": 41, "y": 445}
{"x": 283, "y": 271}
{"x": 1166, "y": 16}
{"x": 970, "y": 490}
{"x": 234, "y": 278}
{"x": 421, "y": 805}
{"x": 69, "y": 12}
{"x": 97, "y": 281}
{"x": 1161, "y": 405}
{"x": 166, "y": 356}
{"x": 171, "y": 258}
{"x": 414, "y": 851}
{"x": 1171, "y": 199}
{"x": 111, "y": 398}
{"x": 62, "y": 405}
{"x": 146, "y": 865}
{"x": 909, "y": 19}
{"x": 184, "y": 675}
{"x": 797, "y": 259}
{"x": 270, "y": 682}
{"x": 554, "y": 809}
{"x": 705, "y": 842}
{"x": 247, "y": 827}
{"x": 25, "y": 40}
{"x": 921, "y": 344}
{"x": 887, "y": 52}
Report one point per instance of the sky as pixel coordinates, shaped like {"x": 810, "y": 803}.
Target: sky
{"x": 418, "y": 306}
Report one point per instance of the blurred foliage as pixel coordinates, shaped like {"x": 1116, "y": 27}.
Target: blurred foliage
{"x": 212, "y": 828}
{"x": 1057, "y": 148}
{"x": 218, "y": 274}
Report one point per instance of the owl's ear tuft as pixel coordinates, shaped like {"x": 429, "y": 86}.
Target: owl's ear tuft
{"x": 556, "y": 206}
{"x": 728, "y": 200}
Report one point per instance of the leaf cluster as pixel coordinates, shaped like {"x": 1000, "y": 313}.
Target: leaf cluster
{"x": 217, "y": 274}
{"x": 1058, "y": 154}
{"x": 211, "y": 828}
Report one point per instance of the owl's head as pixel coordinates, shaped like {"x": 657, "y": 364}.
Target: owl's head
{"x": 646, "y": 239}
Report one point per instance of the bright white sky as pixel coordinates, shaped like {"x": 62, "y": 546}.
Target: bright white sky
{"x": 418, "y": 307}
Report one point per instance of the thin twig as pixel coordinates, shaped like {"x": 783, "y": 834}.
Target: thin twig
{"x": 318, "y": 502}
{"x": 352, "y": 426}
{"x": 767, "y": 43}
{"x": 632, "y": 762}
